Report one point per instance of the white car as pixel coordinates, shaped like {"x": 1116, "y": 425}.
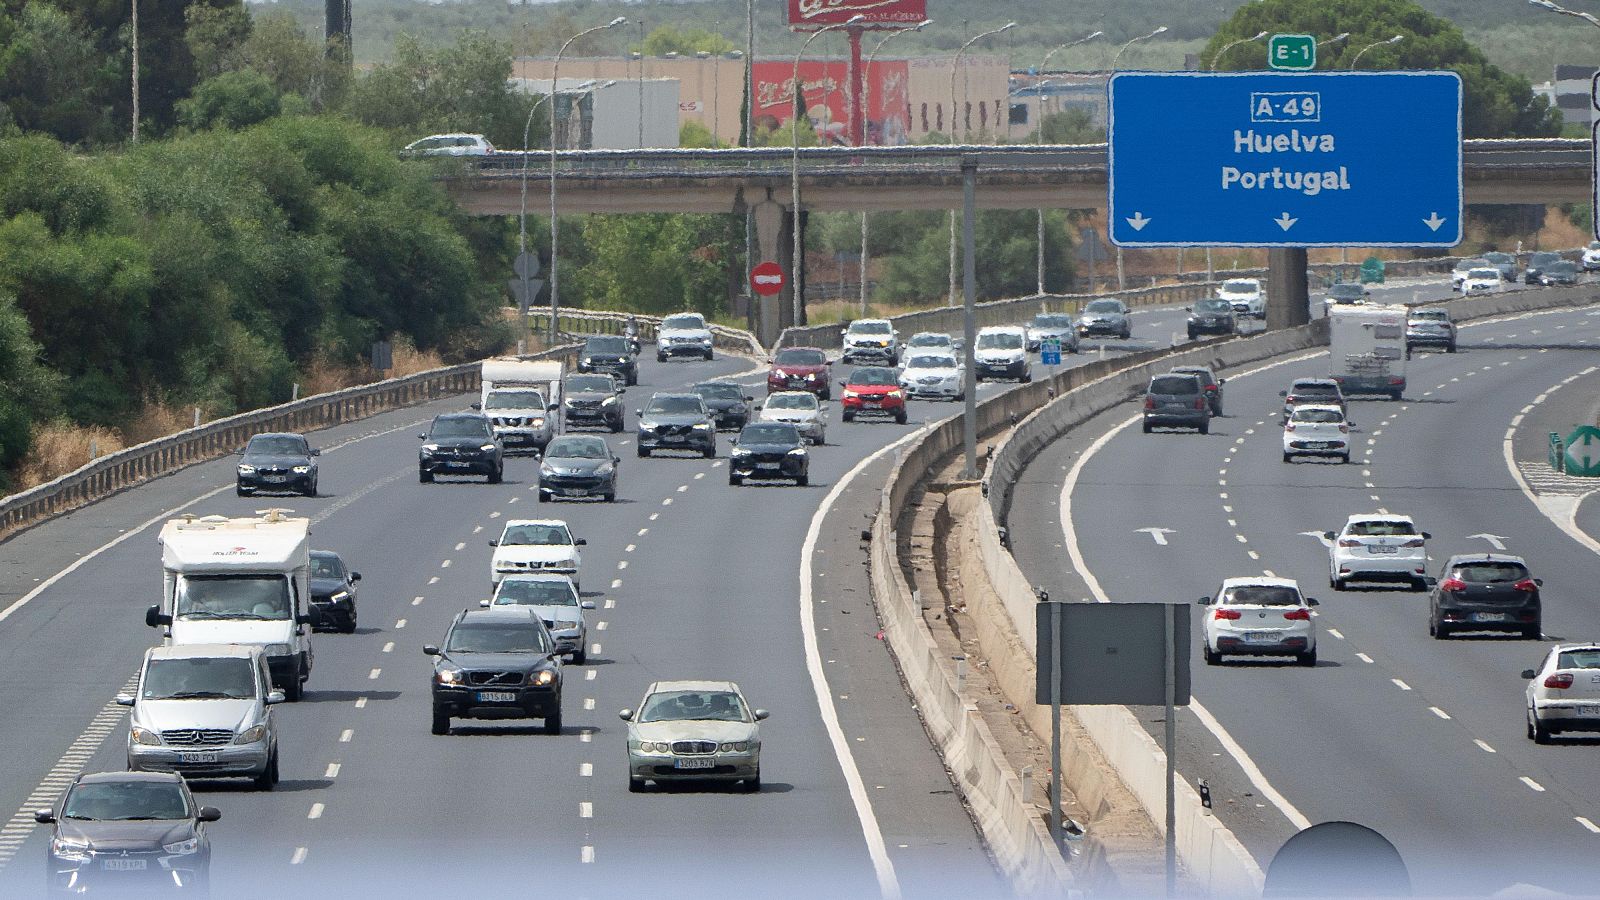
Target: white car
{"x": 1002, "y": 352}
{"x": 684, "y": 334}
{"x": 1378, "y": 547}
{"x": 1245, "y": 296}
{"x": 1591, "y": 257}
{"x": 1259, "y": 616}
{"x": 934, "y": 340}
{"x": 932, "y": 374}
{"x": 800, "y": 409}
{"x": 535, "y": 545}
{"x": 450, "y": 145}
{"x": 1563, "y": 694}
{"x": 553, "y": 598}
{"x": 694, "y": 730}
{"x": 1316, "y": 430}
{"x": 871, "y": 340}
{"x": 1481, "y": 281}
{"x": 1458, "y": 275}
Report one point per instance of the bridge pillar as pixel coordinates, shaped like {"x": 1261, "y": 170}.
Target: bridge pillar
{"x": 1288, "y": 296}
{"x": 775, "y": 243}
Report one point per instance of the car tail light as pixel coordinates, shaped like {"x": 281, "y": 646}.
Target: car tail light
{"x": 1291, "y": 399}
{"x": 1298, "y": 615}
{"x": 1211, "y": 387}
{"x": 1149, "y": 403}
{"x": 1200, "y": 403}
{"x": 1413, "y": 543}
{"x": 1451, "y": 585}
{"x": 1397, "y": 381}
{"x": 1349, "y": 542}
{"x": 1289, "y": 427}
{"x": 1527, "y": 585}
{"x": 1559, "y": 681}
{"x": 1344, "y": 429}
{"x": 1228, "y": 614}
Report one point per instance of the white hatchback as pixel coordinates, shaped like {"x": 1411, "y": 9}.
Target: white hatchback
{"x": 1316, "y": 430}
{"x": 535, "y": 545}
{"x": 1481, "y": 281}
{"x": 932, "y": 373}
{"x": 1259, "y": 617}
{"x": 1245, "y": 296}
{"x": 1563, "y": 694}
{"x": 1378, "y": 547}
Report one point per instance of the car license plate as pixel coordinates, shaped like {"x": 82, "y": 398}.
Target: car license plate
{"x": 578, "y": 492}
{"x": 123, "y": 865}
{"x": 1488, "y": 617}
{"x": 1381, "y": 549}
{"x": 190, "y": 756}
{"x": 1589, "y": 711}
{"x": 871, "y": 404}
{"x": 275, "y": 479}
{"x": 497, "y": 696}
{"x": 767, "y": 465}
{"x": 699, "y": 762}
{"x": 673, "y": 439}
{"x": 1261, "y": 637}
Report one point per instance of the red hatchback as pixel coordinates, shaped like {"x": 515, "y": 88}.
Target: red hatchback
{"x": 873, "y": 391}
{"x": 800, "y": 369}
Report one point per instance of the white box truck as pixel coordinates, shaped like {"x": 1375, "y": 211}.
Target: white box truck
{"x": 1367, "y": 349}
{"x": 240, "y": 581}
{"x": 522, "y": 399}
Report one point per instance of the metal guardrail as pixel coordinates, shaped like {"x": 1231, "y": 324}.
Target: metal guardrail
{"x": 1557, "y": 453}
{"x": 135, "y": 465}
{"x": 581, "y": 322}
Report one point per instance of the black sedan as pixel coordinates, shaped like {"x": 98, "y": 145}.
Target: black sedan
{"x": 1561, "y": 272}
{"x": 1214, "y": 316}
{"x": 461, "y": 444}
{"x": 1537, "y": 264}
{"x": 593, "y": 400}
{"x": 333, "y": 593}
{"x": 728, "y": 403}
{"x": 770, "y": 450}
{"x": 277, "y": 462}
{"x": 608, "y": 353}
{"x": 128, "y": 831}
{"x": 1484, "y": 592}
{"x": 578, "y": 465}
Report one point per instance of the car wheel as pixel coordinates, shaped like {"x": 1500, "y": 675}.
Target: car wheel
{"x": 709, "y": 452}
{"x": 1216, "y": 410}
{"x": 900, "y": 417}
{"x": 294, "y": 690}
{"x": 661, "y": 357}
{"x": 311, "y": 490}
{"x": 710, "y": 355}
{"x": 610, "y": 496}
{"x": 552, "y": 722}
{"x": 1212, "y": 657}
{"x": 1418, "y": 584}
{"x": 1451, "y": 348}
{"x": 1146, "y": 427}
{"x": 1537, "y": 730}
{"x": 616, "y": 426}
{"x": 425, "y": 477}
{"x": 269, "y": 775}
{"x": 498, "y": 475}
{"x": 1027, "y": 377}
{"x": 848, "y": 416}
{"x": 1306, "y": 659}
{"x": 349, "y": 625}
{"x": 1191, "y": 334}
{"x": 1533, "y": 632}
{"x": 827, "y": 394}
{"x": 1288, "y": 456}
{"x": 803, "y": 481}
{"x": 635, "y": 785}
{"x": 644, "y": 451}
{"x": 242, "y": 492}
{"x": 582, "y": 656}
{"x": 753, "y": 785}
{"x": 441, "y": 722}
{"x": 544, "y": 496}
{"x": 1338, "y": 584}
{"x": 1395, "y": 395}
{"x": 633, "y": 378}
{"x": 1205, "y": 428}
{"x": 1344, "y": 458}
{"x": 734, "y": 480}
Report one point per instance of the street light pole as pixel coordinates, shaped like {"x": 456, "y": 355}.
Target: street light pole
{"x": 1145, "y": 37}
{"x": 866, "y": 113}
{"x": 955, "y": 63}
{"x": 136, "y": 71}
{"x": 1546, "y": 4}
{"x": 1212, "y": 66}
{"x": 1333, "y": 40}
{"x": 524, "y": 302}
{"x": 1394, "y": 40}
{"x": 1038, "y": 135}
{"x": 555, "y": 275}
{"x": 796, "y": 289}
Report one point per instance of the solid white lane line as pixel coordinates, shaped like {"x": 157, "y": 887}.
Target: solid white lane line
{"x": 1587, "y": 824}
{"x": 1438, "y": 712}
{"x": 1400, "y": 684}
{"x": 316, "y": 811}
{"x": 1531, "y": 783}
{"x": 1363, "y": 657}
{"x": 1483, "y": 746}
{"x": 333, "y": 771}
{"x": 346, "y": 735}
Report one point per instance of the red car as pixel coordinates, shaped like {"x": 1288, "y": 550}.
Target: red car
{"x": 800, "y": 369}
{"x": 873, "y": 391}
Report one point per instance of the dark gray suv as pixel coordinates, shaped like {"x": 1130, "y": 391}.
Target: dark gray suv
{"x": 677, "y": 422}
{"x": 1484, "y": 592}
{"x": 1177, "y": 401}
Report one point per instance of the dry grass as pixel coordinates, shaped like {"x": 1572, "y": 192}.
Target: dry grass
{"x": 157, "y": 420}
{"x": 408, "y": 360}
{"x": 59, "y": 448}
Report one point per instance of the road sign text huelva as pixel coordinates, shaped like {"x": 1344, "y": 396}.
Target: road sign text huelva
{"x": 1292, "y": 52}
{"x": 1262, "y": 159}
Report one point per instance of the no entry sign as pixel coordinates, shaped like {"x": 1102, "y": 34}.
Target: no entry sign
{"x": 767, "y": 279}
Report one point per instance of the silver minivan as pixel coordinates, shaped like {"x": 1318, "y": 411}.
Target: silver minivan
{"x": 205, "y": 711}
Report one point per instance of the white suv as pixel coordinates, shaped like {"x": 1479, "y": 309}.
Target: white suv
{"x": 873, "y": 340}
{"x": 1002, "y": 352}
{"x": 684, "y": 334}
{"x": 1245, "y": 296}
{"x": 1316, "y": 430}
{"x": 1378, "y": 547}
{"x": 1259, "y": 617}
{"x": 535, "y": 545}
{"x": 1591, "y": 256}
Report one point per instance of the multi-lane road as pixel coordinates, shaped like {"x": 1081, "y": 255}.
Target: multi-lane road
{"x": 1420, "y": 739}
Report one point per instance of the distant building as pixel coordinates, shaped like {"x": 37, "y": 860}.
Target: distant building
{"x": 1572, "y": 94}
{"x": 1033, "y": 97}
{"x": 613, "y": 114}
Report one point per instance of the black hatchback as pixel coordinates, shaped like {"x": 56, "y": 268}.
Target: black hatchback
{"x": 1484, "y": 592}
{"x": 769, "y": 450}
{"x": 128, "y": 831}
{"x": 612, "y": 355}
{"x": 277, "y": 462}
{"x": 461, "y": 444}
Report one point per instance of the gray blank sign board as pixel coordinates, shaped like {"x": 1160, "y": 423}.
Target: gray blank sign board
{"x": 1114, "y": 653}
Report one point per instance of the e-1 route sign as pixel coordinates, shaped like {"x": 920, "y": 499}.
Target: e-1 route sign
{"x": 1292, "y": 52}
{"x": 1260, "y": 159}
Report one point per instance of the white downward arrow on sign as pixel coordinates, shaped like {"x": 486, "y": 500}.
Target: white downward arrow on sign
{"x": 1319, "y": 536}
{"x": 1160, "y": 534}
{"x": 1138, "y": 221}
{"x": 1497, "y": 541}
{"x": 1433, "y": 221}
{"x": 1285, "y": 222}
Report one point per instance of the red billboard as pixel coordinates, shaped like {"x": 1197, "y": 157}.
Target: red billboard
{"x": 825, "y": 83}
{"x": 812, "y": 14}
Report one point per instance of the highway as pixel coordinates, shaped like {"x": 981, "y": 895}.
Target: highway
{"x": 1420, "y": 739}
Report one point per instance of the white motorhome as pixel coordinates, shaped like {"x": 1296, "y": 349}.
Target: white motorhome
{"x": 1367, "y": 349}
{"x": 240, "y": 581}
{"x": 522, "y": 399}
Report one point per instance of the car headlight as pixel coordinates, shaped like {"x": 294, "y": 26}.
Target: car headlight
{"x": 182, "y": 848}
{"x": 546, "y": 469}
{"x": 849, "y": 394}
{"x": 588, "y": 361}
{"x": 245, "y": 469}
{"x": 487, "y": 447}
{"x": 894, "y": 393}
{"x": 740, "y": 451}
{"x": 66, "y": 849}
{"x": 543, "y": 678}
{"x": 301, "y": 470}
{"x": 536, "y": 423}
{"x": 811, "y": 376}
{"x": 449, "y": 676}
{"x": 429, "y": 448}
{"x": 251, "y": 735}
{"x": 341, "y": 595}
{"x": 605, "y": 470}
{"x": 610, "y": 401}
{"x": 277, "y": 650}
{"x": 702, "y": 426}
{"x": 145, "y": 736}
{"x": 798, "y": 451}
{"x": 567, "y": 626}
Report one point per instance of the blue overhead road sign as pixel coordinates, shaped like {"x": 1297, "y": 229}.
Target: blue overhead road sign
{"x": 1259, "y": 159}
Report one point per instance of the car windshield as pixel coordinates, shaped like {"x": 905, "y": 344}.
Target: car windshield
{"x": 931, "y": 362}
{"x": 675, "y": 406}
{"x": 680, "y": 706}
{"x": 459, "y": 427}
{"x": 326, "y": 566}
{"x": 1261, "y": 595}
{"x": 1587, "y": 658}
{"x": 617, "y": 345}
{"x": 1466, "y": 264}
{"x": 1240, "y": 287}
{"x": 232, "y": 597}
{"x": 126, "y": 801}
{"x": 1430, "y": 315}
{"x": 870, "y": 328}
{"x": 799, "y": 358}
{"x": 875, "y": 376}
{"x": 770, "y": 434}
{"x": 198, "y": 678}
{"x": 684, "y": 321}
{"x": 1484, "y": 273}
{"x": 1380, "y": 528}
{"x": 720, "y": 391}
{"x": 514, "y": 400}
{"x": 1305, "y": 389}
{"x": 792, "y": 401}
{"x": 577, "y": 448}
{"x": 1498, "y": 258}
{"x": 1490, "y": 572}
{"x": 999, "y": 340}
{"x": 1175, "y": 384}
{"x": 515, "y": 592}
{"x": 277, "y": 445}
{"x": 931, "y": 340}
{"x": 1203, "y": 374}
{"x": 535, "y": 534}
{"x": 1052, "y": 320}
{"x": 1543, "y": 257}
{"x": 1347, "y": 290}
{"x": 1212, "y": 306}
{"x": 496, "y": 637}
{"x": 1561, "y": 268}
{"x": 1318, "y": 416}
{"x": 591, "y": 384}
{"x": 1104, "y": 306}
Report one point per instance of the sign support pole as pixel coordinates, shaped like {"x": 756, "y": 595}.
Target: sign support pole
{"x": 1170, "y": 735}
{"x": 1055, "y": 723}
{"x": 855, "y": 77}
{"x": 969, "y": 213}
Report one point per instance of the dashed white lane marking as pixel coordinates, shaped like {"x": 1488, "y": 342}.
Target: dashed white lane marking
{"x": 401, "y": 623}
{"x": 416, "y": 601}
{"x": 1363, "y": 657}
{"x": 333, "y": 771}
{"x": 1336, "y": 633}
{"x": 1241, "y": 539}
{"x": 595, "y": 649}
{"x": 298, "y": 857}
{"x": 1227, "y": 509}
{"x": 513, "y": 499}
{"x": 586, "y": 770}
{"x": 586, "y": 735}
{"x": 666, "y": 501}
{"x": 622, "y": 564}
{"x": 1533, "y": 785}
{"x": 683, "y": 487}
{"x": 1400, "y": 684}
{"x": 589, "y": 675}
{"x": 495, "y": 514}
{"x": 388, "y": 647}
{"x": 655, "y": 516}
{"x": 1587, "y": 824}
{"x": 630, "y": 548}
{"x": 477, "y": 529}
{"x": 610, "y": 603}
{"x": 346, "y": 735}
{"x": 643, "y": 532}
{"x": 461, "y": 545}
{"x": 1438, "y": 712}
{"x": 1233, "y": 523}
{"x": 699, "y": 475}
{"x": 373, "y": 675}
{"x": 316, "y": 811}
{"x": 1254, "y": 556}
{"x": 616, "y": 583}
{"x": 1483, "y": 746}
{"x": 600, "y": 626}
{"x": 1269, "y": 573}
{"x": 585, "y": 809}
{"x": 588, "y": 703}
{"x": 433, "y": 580}
{"x": 587, "y": 854}
{"x": 361, "y": 703}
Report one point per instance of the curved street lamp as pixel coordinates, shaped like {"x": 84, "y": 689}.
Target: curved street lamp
{"x": 1159, "y": 30}
{"x": 1546, "y": 4}
{"x": 1333, "y": 40}
{"x": 555, "y": 70}
{"x": 1083, "y": 40}
{"x": 866, "y": 112}
{"x": 955, "y": 63}
{"x": 1394, "y": 40}
{"x": 796, "y": 289}
{"x": 1212, "y": 66}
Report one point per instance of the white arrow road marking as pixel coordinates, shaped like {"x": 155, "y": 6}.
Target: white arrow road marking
{"x": 1319, "y": 536}
{"x": 1139, "y": 221}
{"x": 1285, "y": 222}
{"x": 1433, "y": 221}
{"x": 1160, "y": 534}
{"x": 1497, "y": 541}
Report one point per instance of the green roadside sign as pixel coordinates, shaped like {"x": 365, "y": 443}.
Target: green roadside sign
{"x": 1372, "y": 270}
{"x": 1583, "y": 451}
{"x": 1292, "y": 52}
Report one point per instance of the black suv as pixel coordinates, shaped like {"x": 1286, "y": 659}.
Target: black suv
{"x": 1214, "y": 316}
{"x": 1484, "y": 592}
{"x": 461, "y": 444}
{"x": 769, "y": 450}
{"x": 496, "y": 663}
{"x": 727, "y": 401}
{"x": 277, "y": 462}
{"x": 607, "y": 353}
{"x": 1537, "y": 264}
{"x": 128, "y": 831}
{"x": 333, "y": 593}
{"x": 676, "y": 422}
{"x": 593, "y": 400}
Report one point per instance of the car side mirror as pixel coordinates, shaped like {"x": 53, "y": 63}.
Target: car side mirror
{"x": 622, "y": 390}
{"x": 430, "y": 650}
{"x": 587, "y": 604}
{"x": 843, "y": 333}
{"x": 316, "y": 451}
{"x": 483, "y": 604}
{"x": 616, "y": 459}
{"x": 1427, "y": 536}
{"x": 422, "y": 437}
{"x": 1312, "y": 601}
{"x": 44, "y": 816}
{"x": 843, "y": 383}
{"x": 625, "y": 715}
{"x": 275, "y": 697}
{"x": 1204, "y": 601}
{"x": 638, "y": 412}
{"x": 761, "y": 714}
{"x": 494, "y": 542}
{"x": 552, "y": 407}
{"x": 477, "y": 406}
{"x": 209, "y": 814}
{"x": 154, "y": 617}
{"x": 748, "y": 398}
{"x": 239, "y": 452}
{"x": 1188, "y": 309}
{"x": 1430, "y": 581}
{"x": 1538, "y": 582}
{"x": 1526, "y": 673}
{"x": 1222, "y": 381}
{"x": 1283, "y": 393}
{"x": 124, "y": 700}
{"x": 581, "y": 542}
{"x": 302, "y": 620}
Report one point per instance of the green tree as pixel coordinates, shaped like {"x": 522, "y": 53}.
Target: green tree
{"x": 287, "y": 54}
{"x": 694, "y": 134}
{"x": 462, "y": 87}
{"x": 658, "y": 263}
{"x": 216, "y": 38}
{"x": 231, "y": 100}
{"x": 666, "y": 39}
{"x": 1070, "y": 126}
{"x": 53, "y": 77}
{"x": 28, "y": 390}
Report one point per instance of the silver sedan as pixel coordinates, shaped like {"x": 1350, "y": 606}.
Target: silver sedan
{"x": 693, "y": 731}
